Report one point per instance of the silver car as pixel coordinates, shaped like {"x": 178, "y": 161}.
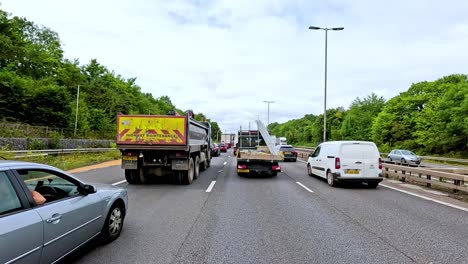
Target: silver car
{"x": 45, "y": 213}
{"x": 404, "y": 156}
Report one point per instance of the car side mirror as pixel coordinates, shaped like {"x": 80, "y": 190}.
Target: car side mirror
{"x": 87, "y": 189}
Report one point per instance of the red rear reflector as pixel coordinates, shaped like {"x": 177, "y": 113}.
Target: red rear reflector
{"x": 178, "y": 155}
{"x": 241, "y": 167}
{"x": 276, "y": 168}
{"x": 380, "y": 163}
{"x": 337, "y": 163}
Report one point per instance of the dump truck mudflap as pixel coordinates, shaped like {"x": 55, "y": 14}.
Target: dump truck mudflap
{"x": 180, "y": 164}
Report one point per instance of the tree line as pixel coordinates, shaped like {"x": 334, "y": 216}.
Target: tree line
{"x": 431, "y": 118}
{"x": 38, "y": 85}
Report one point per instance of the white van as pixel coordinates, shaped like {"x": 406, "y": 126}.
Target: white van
{"x": 346, "y": 161}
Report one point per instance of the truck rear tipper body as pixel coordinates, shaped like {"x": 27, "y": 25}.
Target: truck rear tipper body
{"x": 166, "y": 145}
{"x": 253, "y": 155}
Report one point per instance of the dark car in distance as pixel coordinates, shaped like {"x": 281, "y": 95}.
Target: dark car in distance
{"x": 215, "y": 151}
{"x": 288, "y": 152}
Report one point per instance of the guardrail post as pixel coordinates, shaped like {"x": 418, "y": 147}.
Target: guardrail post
{"x": 458, "y": 183}
{"x": 386, "y": 172}
{"x": 403, "y": 179}
{"x": 429, "y": 178}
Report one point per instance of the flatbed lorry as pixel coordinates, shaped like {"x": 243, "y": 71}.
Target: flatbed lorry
{"x": 253, "y": 156}
{"x": 163, "y": 145}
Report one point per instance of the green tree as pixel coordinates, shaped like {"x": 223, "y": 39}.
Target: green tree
{"x": 357, "y": 125}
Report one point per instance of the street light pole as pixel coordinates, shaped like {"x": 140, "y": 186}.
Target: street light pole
{"x": 325, "y": 92}
{"x": 325, "y": 87}
{"x": 268, "y": 118}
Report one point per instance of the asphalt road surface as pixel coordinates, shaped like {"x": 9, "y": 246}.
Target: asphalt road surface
{"x": 290, "y": 218}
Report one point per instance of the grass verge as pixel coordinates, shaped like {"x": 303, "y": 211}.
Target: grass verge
{"x": 74, "y": 160}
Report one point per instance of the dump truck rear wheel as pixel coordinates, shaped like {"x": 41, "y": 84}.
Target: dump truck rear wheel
{"x": 197, "y": 168}
{"x": 187, "y": 176}
{"x": 129, "y": 177}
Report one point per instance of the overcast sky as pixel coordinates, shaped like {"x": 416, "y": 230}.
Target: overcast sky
{"x": 225, "y": 57}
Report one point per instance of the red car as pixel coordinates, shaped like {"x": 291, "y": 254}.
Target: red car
{"x": 223, "y": 147}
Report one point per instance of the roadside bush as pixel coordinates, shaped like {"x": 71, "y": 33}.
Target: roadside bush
{"x": 54, "y": 142}
{"x": 35, "y": 144}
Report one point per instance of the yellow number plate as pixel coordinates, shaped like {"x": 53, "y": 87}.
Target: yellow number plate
{"x": 129, "y": 158}
{"x": 352, "y": 171}
{"x": 243, "y": 171}
{"x": 287, "y": 153}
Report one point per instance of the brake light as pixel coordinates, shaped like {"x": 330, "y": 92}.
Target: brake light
{"x": 241, "y": 167}
{"x": 337, "y": 163}
{"x": 380, "y": 163}
{"x": 276, "y": 168}
{"x": 294, "y": 153}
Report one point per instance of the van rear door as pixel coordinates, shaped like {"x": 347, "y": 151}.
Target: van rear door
{"x": 356, "y": 159}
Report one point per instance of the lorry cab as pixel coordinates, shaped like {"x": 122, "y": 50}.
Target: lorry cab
{"x": 346, "y": 161}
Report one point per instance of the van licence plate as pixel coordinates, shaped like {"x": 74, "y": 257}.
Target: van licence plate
{"x": 352, "y": 171}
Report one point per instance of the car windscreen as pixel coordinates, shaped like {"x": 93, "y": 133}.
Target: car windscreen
{"x": 359, "y": 151}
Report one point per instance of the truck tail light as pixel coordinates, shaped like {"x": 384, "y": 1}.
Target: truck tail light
{"x": 276, "y": 168}
{"x": 380, "y": 163}
{"x": 241, "y": 167}
{"x": 179, "y": 154}
{"x": 337, "y": 163}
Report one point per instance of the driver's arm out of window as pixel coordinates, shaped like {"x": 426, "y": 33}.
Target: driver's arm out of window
{"x": 38, "y": 198}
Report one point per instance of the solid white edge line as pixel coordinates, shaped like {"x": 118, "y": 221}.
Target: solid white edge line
{"x": 426, "y": 198}
{"x": 119, "y": 182}
{"x": 305, "y": 187}
{"x": 211, "y": 186}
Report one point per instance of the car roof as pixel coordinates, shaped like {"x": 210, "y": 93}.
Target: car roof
{"x": 345, "y": 142}
{"x": 22, "y": 164}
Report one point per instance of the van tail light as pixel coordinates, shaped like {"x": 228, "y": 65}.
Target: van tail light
{"x": 276, "y": 168}
{"x": 294, "y": 153}
{"x": 241, "y": 167}
{"x": 380, "y": 163}
{"x": 337, "y": 163}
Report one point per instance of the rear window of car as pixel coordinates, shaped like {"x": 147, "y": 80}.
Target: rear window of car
{"x": 287, "y": 149}
{"x": 359, "y": 151}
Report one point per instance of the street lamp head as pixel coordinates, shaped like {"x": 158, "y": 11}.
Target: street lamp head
{"x": 314, "y": 28}
{"x": 338, "y": 28}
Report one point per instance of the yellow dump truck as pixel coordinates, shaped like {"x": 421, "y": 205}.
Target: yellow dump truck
{"x": 163, "y": 145}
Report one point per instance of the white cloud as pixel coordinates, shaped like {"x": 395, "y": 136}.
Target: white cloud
{"x": 223, "y": 58}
